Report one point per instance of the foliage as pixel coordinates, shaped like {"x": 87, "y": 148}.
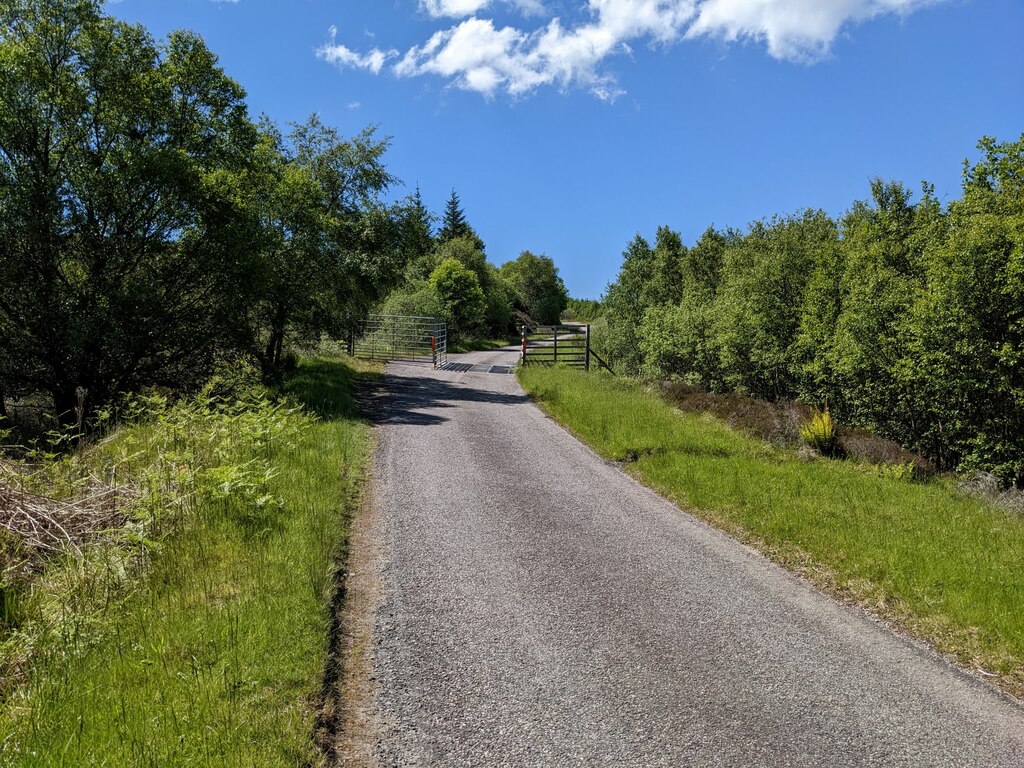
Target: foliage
{"x": 116, "y": 228}
{"x": 820, "y": 433}
{"x": 906, "y": 318}
{"x": 582, "y": 310}
{"x": 454, "y": 224}
{"x": 330, "y": 248}
{"x": 417, "y": 228}
{"x": 148, "y": 229}
{"x": 626, "y": 303}
{"x": 415, "y": 298}
{"x": 459, "y": 296}
{"x": 203, "y": 641}
{"x": 537, "y": 290}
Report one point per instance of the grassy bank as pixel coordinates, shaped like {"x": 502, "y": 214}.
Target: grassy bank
{"x": 207, "y": 646}
{"x": 946, "y": 567}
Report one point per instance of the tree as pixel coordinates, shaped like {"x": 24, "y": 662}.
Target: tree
{"x": 536, "y": 287}
{"x": 626, "y": 302}
{"x": 466, "y": 250}
{"x": 583, "y": 310}
{"x": 119, "y": 228}
{"x": 966, "y": 328}
{"x": 417, "y": 228}
{"x": 665, "y": 285}
{"x": 329, "y": 247}
{"x": 759, "y": 300}
{"x": 867, "y": 355}
{"x": 459, "y": 296}
{"x": 454, "y": 224}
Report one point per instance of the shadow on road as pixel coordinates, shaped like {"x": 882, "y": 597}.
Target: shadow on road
{"x": 403, "y": 398}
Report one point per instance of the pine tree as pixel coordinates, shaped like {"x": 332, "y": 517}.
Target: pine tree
{"x": 421, "y": 213}
{"x": 454, "y": 223}
{"x": 418, "y": 227}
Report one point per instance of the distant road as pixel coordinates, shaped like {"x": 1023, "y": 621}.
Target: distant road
{"x": 533, "y": 605}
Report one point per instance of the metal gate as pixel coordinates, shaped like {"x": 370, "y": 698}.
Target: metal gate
{"x": 557, "y": 345}
{"x": 567, "y": 344}
{"x": 400, "y": 338}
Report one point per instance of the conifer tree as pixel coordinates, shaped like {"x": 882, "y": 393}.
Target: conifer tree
{"x": 454, "y": 223}
{"x": 418, "y": 227}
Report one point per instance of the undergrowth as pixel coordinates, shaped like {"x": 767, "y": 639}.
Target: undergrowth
{"x": 934, "y": 560}
{"x": 195, "y": 634}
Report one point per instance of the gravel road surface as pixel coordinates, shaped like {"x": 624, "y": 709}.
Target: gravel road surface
{"x": 535, "y": 606}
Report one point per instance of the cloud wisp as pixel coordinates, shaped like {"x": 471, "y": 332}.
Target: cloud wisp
{"x": 458, "y": 9}
{"x": 477, "y": 55}
{"x": 345, "y": 58}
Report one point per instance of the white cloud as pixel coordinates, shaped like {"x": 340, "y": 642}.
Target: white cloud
{"x": 344, "y": 57}
{"x": 458, "y": 9}
{"x": 792, "y": 29}
{"x": 476, "y": 55}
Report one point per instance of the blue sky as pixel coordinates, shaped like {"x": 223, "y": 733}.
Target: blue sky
{"x": 567, "y": 126}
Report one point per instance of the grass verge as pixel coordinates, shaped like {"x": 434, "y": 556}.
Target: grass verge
{"x": 944, "y": 566}
{"x": 480, "y": 345}
{"x": 216, "y": 656}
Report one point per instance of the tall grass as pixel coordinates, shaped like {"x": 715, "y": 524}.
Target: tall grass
{"x": 215, "y": 656}
{"x": 945, "y": 566}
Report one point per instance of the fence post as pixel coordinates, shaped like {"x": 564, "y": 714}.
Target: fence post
{"x": 586, "y": 355}
{"x": 524, "y": 330}
{"x": 555, "y": 331}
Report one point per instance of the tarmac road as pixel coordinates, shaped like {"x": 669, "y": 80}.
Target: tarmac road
{"x": 532, "y": 605}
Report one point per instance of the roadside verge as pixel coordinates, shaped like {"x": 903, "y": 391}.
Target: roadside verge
{"x": 934, "y": 562}
{"x": 214, "y": 653}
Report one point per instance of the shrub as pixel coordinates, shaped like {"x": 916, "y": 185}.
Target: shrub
{"x": 820, "y": 433}
{"x": 777, "y": 423}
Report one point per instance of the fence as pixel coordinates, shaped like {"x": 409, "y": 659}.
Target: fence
{"x": 557, "y": 345}
{"x": 560, "y": 345}
{"x": 400, "y": 338}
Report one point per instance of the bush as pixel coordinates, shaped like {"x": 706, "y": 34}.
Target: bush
{"x": 777, "y": 423}
{"x": 820, "y": 433}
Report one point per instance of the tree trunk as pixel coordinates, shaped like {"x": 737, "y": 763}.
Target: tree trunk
{"x": 65, "y": 402}
{"x": 268, "y": 355}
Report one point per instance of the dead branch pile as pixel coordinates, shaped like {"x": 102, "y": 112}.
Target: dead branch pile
{"x": 46, "y": 525}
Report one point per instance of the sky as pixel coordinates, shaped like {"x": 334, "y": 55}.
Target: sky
{"x": 569, "y": 126}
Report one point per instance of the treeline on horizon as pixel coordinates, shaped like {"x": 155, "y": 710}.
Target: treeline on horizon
{"x": 449, "y": 277}
{"x": 152, "y": 232}
{"x": 902, "y": 317}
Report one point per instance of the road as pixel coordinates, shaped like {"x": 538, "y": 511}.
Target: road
{"x": 525, "y": 603}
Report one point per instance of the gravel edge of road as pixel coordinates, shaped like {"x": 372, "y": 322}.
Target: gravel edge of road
{"x": 359, "y": 728}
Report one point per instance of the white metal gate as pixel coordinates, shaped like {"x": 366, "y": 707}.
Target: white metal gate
{"x": 400, "y": 338}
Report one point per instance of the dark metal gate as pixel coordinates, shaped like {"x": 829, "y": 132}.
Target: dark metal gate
{"x": 565, "y": 344}
{"x": 400, "y": 338}
{"x": 557, "y": 345}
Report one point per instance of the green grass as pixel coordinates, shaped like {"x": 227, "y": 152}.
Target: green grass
{"x": 480, "y": 345}
{"x": 216, "y": 658}
{"x": 945, "y": 566}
